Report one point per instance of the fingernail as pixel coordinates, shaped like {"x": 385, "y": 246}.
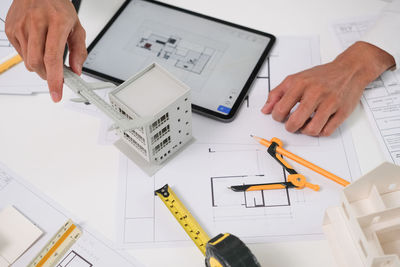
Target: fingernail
{"x": 265, "y": 108}
{"x": 55, "y": 96}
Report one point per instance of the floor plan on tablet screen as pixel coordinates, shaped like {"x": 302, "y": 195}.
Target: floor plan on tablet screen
{"x": 190, "y": 56}
{"x": 186, "y": 56}
{"x": 215, "y": 60}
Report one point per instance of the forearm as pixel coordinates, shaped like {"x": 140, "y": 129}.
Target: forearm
{"x": 385, "y": 33}
{"x": 364, "y": 62}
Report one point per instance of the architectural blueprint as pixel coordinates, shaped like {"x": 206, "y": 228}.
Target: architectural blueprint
{"x": 381, "y": 98}
{"x": 186, "y": 52}
{"x": 10, "y": 81}
{"x": 225, "y": 155}
{"x": 173, "y": 48}
{"x": 90, "y": 249}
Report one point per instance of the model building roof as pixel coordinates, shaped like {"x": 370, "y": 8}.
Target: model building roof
{"x": 150, "y": 91}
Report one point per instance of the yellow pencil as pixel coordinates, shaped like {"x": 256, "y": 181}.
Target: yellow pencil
{"x": 303, "y": 162}
{"x": 10, "y": 63}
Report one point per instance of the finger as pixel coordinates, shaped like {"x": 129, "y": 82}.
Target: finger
{"x": 13, "y": 40}
{"x": 300, "y": 116}
{"x": 287, "y": 102}
{"x": 273, "y": 97}
{"x": 77, "y": 49}
{"x": 53, "y": 58}
{"x": 35, "y": 48}
{"x": 319, "y": 120}
{"x": 333, "y": 123}
{"x": 22, "y": 41}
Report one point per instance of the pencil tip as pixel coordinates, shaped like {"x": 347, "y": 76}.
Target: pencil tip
{"x": 251, "y": 135}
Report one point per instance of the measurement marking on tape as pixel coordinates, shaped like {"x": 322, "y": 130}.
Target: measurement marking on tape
{"x": 183, "y": 216}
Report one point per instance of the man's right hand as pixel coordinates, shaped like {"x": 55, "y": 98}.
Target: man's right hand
{"x": 39, "y": 31}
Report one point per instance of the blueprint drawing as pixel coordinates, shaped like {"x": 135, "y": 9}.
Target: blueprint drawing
{"x": 225, "y": 155}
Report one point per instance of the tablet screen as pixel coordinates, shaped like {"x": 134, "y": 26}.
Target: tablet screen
{"x": 216, "y": 60}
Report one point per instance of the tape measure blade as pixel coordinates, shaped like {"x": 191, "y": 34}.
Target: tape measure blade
{"x": 184, "y": 217}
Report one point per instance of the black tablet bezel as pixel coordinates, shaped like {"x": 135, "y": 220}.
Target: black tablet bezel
{"x": 198, "y": 109}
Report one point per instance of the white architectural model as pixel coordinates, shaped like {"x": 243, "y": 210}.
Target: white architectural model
{"x": 151, "y": 111}
{"x": 364, "y": 231}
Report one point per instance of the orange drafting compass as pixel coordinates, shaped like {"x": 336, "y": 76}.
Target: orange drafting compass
{"x": 294, "y": 180}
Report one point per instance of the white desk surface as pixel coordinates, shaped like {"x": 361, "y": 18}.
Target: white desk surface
{"x": 56, "y": 149}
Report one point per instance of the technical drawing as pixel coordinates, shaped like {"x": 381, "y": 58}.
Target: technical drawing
{"x": 73, "y": 259}
{"x": 225, "y": 155}
{"x": 3, "y": 37}
{"x": 227, "y": 204}
{"x": 186, "y": 56}
{"x": 223, "y": 197}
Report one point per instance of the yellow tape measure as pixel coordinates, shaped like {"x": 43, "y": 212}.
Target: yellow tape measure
{"x": 183, "y": 216}
{"x": 224, "y": 250}
{"x": 57, "y": 246}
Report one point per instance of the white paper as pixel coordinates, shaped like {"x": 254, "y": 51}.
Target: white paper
{"x": 87, "y": 107}
{"x": 225, "y": 155}
{"x": 17, "y": 80}
{"x": 3, "y": 262}
{"x": 348, "y": 31}
{"x": 107, "y": 137}
{"x": 90, "y": 249}
{"x": 381, "y": 98}
{"x": 381, "y": 102}
{"x": 17, "y": 234}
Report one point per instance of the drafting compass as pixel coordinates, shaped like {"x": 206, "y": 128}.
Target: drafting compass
{"x": 294, "y": 180}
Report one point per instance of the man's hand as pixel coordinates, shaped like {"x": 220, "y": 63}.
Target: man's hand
{"x": 39, "y": 31}
{"x": 327, "y": 94}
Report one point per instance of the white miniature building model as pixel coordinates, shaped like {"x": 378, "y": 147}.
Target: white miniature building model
{"x": 151, "y": 113}
{"x": 164, "y": 102}
{"x": 365, "y": 229}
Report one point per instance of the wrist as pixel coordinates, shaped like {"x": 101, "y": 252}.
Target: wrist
{"x": 365, "y": 62}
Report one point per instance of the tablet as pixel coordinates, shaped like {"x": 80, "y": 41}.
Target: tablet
{"x": 218, "y": 60}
